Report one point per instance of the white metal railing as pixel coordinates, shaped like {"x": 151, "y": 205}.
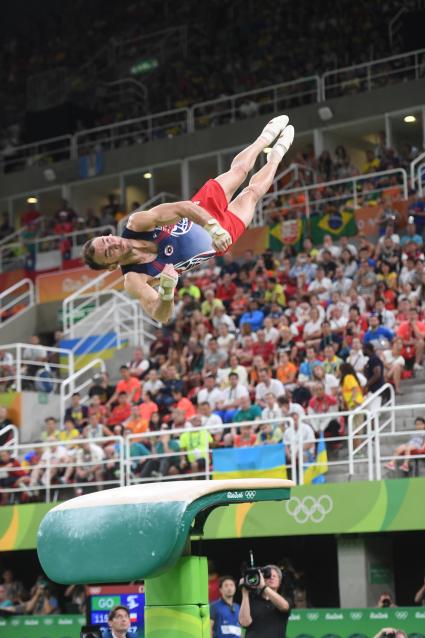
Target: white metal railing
{"x": 54, "y": 149}
{"x": 86, "y": 298}
{"x": 270, "y": 99}
{"x": 372, "y": 75}
{"x": 135, "y": 131}
{"x": 44, "y": 476}
{"x": 421, "y": 179}
{"x": 9, "y": 239}
{"x": 20, "y": 250}
{"x": 129, "y": 463}
{"x": 118, "y": 321}
{"x": 23, "y": 371}
{"x": 381, "y": 436}
{"x": 420, "y": 159}
{"x": 14, "y": 438}
{"x": 15, "y": 300}
{"x": 160, "y": 198}
{"x": 345, "y": 80}
{"x": 337, "y": 190}
{"x": 368, "y": 410}
{"x": 79, "y": 381}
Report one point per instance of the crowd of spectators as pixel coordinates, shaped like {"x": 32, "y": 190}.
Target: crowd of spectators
{"x": 255, "y": 339}
{"x": 229, "y": 49}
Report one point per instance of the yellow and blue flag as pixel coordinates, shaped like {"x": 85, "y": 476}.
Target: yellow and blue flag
{"x": 260, "y": 461}
{"x": 315, "y": 471}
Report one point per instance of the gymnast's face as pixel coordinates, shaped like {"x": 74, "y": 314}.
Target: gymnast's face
{"x": 110, "y": 249}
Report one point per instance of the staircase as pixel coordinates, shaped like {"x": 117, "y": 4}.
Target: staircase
{"x": 413, "y": 395}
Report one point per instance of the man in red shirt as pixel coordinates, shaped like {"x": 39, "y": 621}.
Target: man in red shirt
{"x": 122, "y": 411}
{"x": 226, "y": 289}
{"x": 128, "y": 384}
{"x": 322, "y": 403}
{"x": 184, "y": 404}
{"x": 265, "y": 349}
{"x": 413, "y": 334}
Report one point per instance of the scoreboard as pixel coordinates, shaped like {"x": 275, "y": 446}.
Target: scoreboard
{"x": 102, "y": 598}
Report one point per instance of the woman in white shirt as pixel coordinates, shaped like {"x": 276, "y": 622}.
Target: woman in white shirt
{"x": 313, "y": 329}
{"x": 356, "y": 357}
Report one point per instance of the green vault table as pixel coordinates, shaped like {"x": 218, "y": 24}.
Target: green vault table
{"x": 143, "y": 532}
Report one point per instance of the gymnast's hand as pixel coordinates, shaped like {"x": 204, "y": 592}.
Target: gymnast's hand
{"x": 220, "y": 238}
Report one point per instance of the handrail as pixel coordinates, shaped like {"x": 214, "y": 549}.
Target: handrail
{"x": 94, "y": 285}
{"x": 22, "y": 229}
{"x": 274, "y": 88}
{"x": 15, "y": 157}
{"x": 159, "y": 198}
{"x": 15, "y": 436}
{"x": 368, "y": 66}
{"x": 420, "y": 177}
{"x": 413, "y": 165}
{"x": 368, "y": 408}
{"x": 71, "y": 382}
{"x": 18, "y": 375}
{"x": 36, "y": 242}
{"x": 352, "y": 181}
{"x": 28, "y": 296}
{"x": 148, "y": 124}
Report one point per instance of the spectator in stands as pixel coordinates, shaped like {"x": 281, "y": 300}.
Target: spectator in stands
{"x": 210, "y": 393}
{"x": 385, "y": 600}
{"x": 69, "y": 432}
{"x": 95, "y": 429}
{"x": 196, "y": 444}
{"x": 102, "y": 387}
{"x": 88, "y": 465}
{"x": 248, "y": 411}
{"x": 33, "y": 357}
{"x": 128, "y": 385}
{"x": 374, "y": 373}
{"x": 267, "y": 385}
{"x": 412, "y": 332}
{"x": 122, "y": 410}
{"x": 77, "y": 412}
{"x": 322, "y": 403}
{"x": 291, "y": 437}
{"x": 95, "y": 407}
{"x": 13, "y": 588}
{"x": 11, "y": 473}
{"x": 153, "y": 384}
{"x": 51, "y": 464}
{"x": 231, "y": 398}
{"x": 394, "y": 364}
{"x": 415, "y": 445}
{"x": 51, "y": 429}
{"x": 139, "y": 365}
{"x": 4, "y": 422}
{"x": 43, "y": 602}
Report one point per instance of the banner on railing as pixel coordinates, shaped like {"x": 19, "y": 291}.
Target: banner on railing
{"x": 58, "y": 285}
{"x": 13, "y": 402}
{"x": 265, "y": 461}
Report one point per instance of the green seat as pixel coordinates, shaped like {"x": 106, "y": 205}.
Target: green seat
{"x": 140, "y": 531}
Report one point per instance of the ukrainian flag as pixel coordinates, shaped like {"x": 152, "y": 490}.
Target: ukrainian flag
{"x": 262, "y": 461}
{"x": 315, "y": 472}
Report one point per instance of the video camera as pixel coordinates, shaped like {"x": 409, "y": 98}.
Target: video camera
{"x": 252, "y": 574}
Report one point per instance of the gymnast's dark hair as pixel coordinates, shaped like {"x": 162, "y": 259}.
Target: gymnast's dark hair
{"x": 88, "y": 256}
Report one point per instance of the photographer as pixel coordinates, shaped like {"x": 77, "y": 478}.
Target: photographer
{"x": 264, "y": 611}
{"x": 385, "y": 600}
{"x": 390, "y": 632}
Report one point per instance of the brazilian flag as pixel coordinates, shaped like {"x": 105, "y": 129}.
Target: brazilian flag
{"x": 336, "y": 223}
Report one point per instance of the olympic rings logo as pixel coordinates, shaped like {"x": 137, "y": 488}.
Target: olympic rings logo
{"x": 356, "y": 615}
{"x": 309, "y": 508}
{"x": 250, "y": 494}
{"x": 312, "y": 615}
{"x": 401, "y": 615}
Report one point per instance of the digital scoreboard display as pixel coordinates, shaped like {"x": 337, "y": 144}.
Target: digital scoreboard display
{"x": 103, "y": 598}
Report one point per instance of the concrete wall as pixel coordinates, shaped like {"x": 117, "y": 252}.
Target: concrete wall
{"x": 20, "y": 328}
{"x": 35, "y": 407}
